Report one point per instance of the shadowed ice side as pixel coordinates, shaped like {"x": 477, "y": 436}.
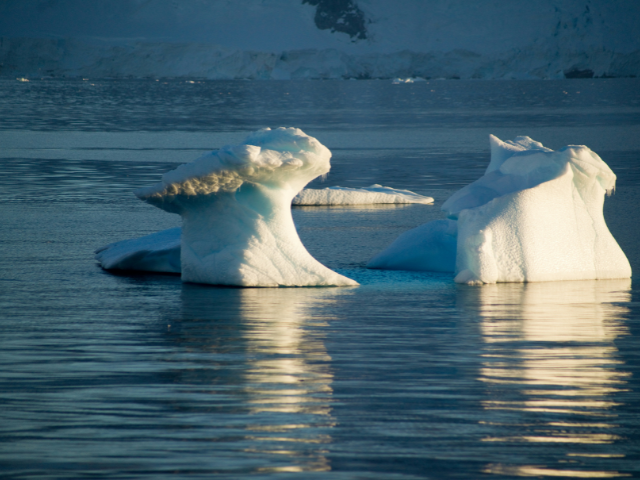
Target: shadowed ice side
{"x": 237, "y": 227}
{"x": 535, "y": 215}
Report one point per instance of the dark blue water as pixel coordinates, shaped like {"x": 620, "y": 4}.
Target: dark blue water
{"x": 407, "y": 376}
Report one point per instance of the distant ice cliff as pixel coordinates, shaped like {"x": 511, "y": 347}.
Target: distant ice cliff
{"x": 283, "y": 39}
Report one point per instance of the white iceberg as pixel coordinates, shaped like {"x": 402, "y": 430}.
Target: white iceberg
{"x": 535, "y": 215}
{"x": 358, "y": 196}
{"x": 235, "y": 205}
{"x": 398, "y": 81}
{"x": 160, "y": 252}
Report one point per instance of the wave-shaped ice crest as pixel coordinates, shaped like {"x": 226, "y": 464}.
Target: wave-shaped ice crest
{"x": 235, "y": 205}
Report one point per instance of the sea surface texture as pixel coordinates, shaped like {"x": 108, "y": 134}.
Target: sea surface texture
{"x": 407, "y": 376}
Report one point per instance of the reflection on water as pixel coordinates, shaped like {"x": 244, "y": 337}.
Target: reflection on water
{"x": 551, "y": 368}
{"x": 123, "y": 377}
{"x": 282, "y": 372}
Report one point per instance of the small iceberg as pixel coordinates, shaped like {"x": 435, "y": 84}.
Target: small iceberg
{"x": 374, "y": 194}
{"x": 398, "y": 81}
{"x": 535, "y": 215}
{"x": 235, "y": 205}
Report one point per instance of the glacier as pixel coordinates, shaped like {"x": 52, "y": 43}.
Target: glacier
{"x": 235, "y": 205}
{"x": 319, "y": 39}
{"x": 535, "y": 215}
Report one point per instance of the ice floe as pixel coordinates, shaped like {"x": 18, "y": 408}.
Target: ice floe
{"x": 358, "y": 196}
{"x": 535, "y": 215}
{"x": 399, "y": 81}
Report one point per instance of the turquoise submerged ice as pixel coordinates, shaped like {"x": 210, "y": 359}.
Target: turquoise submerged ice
{"x": 237, "y": 227}
{"x": 535, "y": 215}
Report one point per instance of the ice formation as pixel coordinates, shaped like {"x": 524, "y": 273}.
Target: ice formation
{"x": 357, "y": 196}
{"x": 535, "y": 215}
{"x": 158, "y": 252}
{"x": 235, "y": 205}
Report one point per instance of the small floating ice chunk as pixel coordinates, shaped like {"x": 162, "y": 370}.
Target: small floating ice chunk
{"x": 158, "y": 252}
{"x": 535, "y": 215}
{"x": 235, "y": 205}
{"x": 397, "y": 81}
{"x": 358, "y": 196}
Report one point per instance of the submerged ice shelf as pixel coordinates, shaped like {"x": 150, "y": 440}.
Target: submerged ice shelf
{"x": 535, "y": 215}
{"x": 158, "y": 252}
{"x": 237, "y": 227}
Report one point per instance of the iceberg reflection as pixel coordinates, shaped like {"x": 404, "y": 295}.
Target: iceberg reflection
{"x": 290, "y": 371}
{"x": 552, "y": 370}
{"x": 277, "y": 369}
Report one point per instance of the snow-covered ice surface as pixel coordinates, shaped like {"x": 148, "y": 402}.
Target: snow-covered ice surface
{"x": 235, "y": 205}
{"x": 535, "y": 215}
{"x": 375, "y": 194}
{"x": 289, "y": 39}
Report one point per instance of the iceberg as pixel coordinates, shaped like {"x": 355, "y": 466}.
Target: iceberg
{"x": 235, "y": 205}
{"x": 358, "y": 196}
{"x": 160, "y": 251}
{"x": 535, "y": 215}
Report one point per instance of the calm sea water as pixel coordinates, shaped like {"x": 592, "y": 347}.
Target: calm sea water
{"x": 407, "y": 376}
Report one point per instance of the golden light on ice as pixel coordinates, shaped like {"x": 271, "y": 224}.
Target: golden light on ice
{"x": 552, "y": 345}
